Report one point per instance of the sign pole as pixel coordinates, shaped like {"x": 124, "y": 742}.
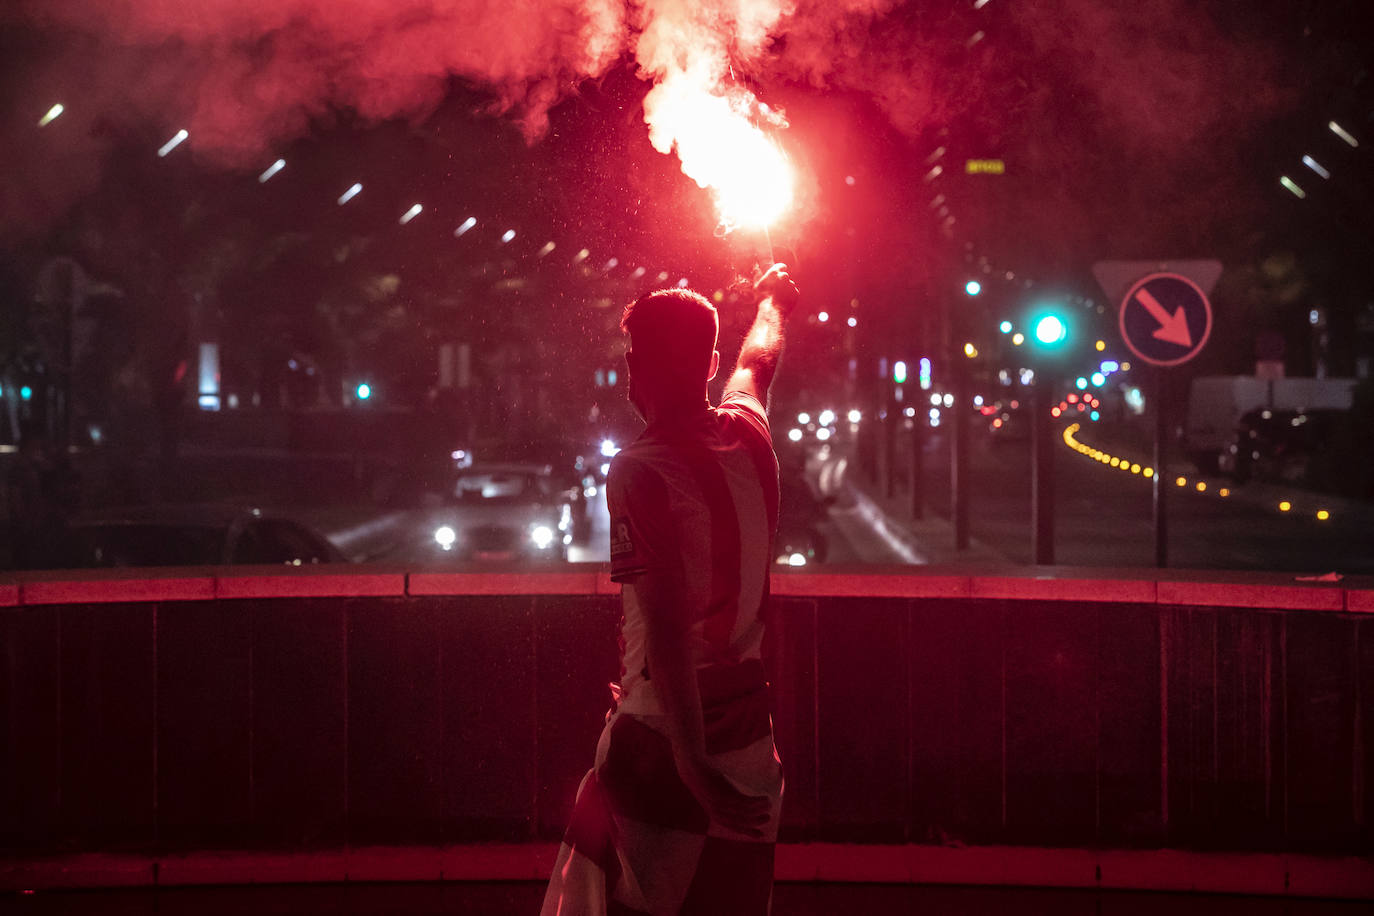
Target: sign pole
{"x": 1160, "y": 508}
{"x": 1042, "y": 472}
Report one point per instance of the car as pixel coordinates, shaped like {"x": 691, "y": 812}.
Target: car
{"x": 504, "y": 512}
{"x": 1279, "y": 446}
{"x": 194, "y": 535}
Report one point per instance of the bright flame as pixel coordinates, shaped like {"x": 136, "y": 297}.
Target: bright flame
{"x": 697, "y": 109}
{"x": 721, "y": 148}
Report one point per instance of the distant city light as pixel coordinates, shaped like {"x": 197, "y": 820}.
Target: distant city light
{"x": 823, "y": 433}
{"x": 363, "y": 391}
{"x": 662, "y": 276}
{"x": 414, "y": 211}
{"x": 823, "y": 317}
{"x": 547, "y": 250}
{"x": 351, "y": 193}
{"x": 177, "y": 139}
{"x": 1100, "y": 345}
{"x": 1285, "y": 506}
{"x": 973, "y": 287}
{"x": 1341, "y": 132}
{"x": 852, "y": 322}
{"x": 924, "y": 373}
{"x": 465, "y": 226}
{"x": 826, "y": 418}
{"x": 53, "y": 114}
{"x": 794, "y": 434}
{"x": 1323, "y": 515}
{"x": 970, "y": 350}
{"x": 1095, "y": 416}
{"x": 804, "y": 418}
{"x": 271, "y": 170}
{"x": 1018, "y": 339}
{"x": 1315, "y": 166}
{"x": 1005, "y": 327}
{"x": 1109, "y": 366}
{"x": 25, "y": 393}
{"x": 899, "y": 371}
{"x": 507, "y": 236}
{"x": 1081, "y": 383}
{"x": 1292, "y": 186}
{"x": 977, "y": 400}
{"x": 682, "y": 283}
{"x": 1181, "y": 481}
{"x": 855, "y": 415}
{"x": 609, "y": 449}
{"x": 1098, "y": 379}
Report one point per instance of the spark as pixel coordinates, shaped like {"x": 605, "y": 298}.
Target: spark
{"x": 414, "y": 211}
{"x": 271, "y": 170}
{"x": 547, "y": 249}
{"x": 465, "y": 226}
{"x": 351, "y": 193}
{"x": 53, "y": 114}
{"x": 1315, "y": 166}
{"x": 177, "y": 139}
{"x": 507, "y": 236}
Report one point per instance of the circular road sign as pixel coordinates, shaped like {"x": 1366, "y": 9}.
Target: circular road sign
{"x": 1165, "y": 319}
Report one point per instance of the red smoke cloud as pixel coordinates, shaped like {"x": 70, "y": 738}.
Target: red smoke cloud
{"x": 1147, "y": 79}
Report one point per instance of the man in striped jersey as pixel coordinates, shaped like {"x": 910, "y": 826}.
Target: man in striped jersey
{"x": 680, "y": 811}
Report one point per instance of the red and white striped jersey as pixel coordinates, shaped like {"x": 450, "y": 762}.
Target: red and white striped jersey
{"x": 696, "y": 496}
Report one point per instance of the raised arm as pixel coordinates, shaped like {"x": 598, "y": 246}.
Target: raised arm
{"x": 776, "y": 297}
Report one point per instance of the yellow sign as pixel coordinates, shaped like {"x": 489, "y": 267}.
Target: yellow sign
{"x": 985, "y": 167}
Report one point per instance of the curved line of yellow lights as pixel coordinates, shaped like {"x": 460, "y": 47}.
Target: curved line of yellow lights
{"x": 1137, "y": 469}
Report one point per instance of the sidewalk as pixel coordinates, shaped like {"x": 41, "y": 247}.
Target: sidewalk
{"x": 928, "y": 540}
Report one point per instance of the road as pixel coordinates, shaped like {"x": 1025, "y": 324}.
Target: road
{"x": 1103, "y": 514}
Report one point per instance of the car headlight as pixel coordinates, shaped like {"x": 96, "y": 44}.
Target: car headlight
{"x": 542, "y": 535}
{"x": 445, "y": 537}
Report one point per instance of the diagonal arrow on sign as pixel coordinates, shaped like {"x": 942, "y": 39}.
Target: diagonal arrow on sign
{"x": 1172, "y": 328}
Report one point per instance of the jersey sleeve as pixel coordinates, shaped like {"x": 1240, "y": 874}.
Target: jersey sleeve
{"x": 745, "y": 407}
{"x": 642, "y": 536}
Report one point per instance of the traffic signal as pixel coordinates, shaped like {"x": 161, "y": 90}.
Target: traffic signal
{"x": 1051, "y": 333}
{"x": 1051, "y": 330}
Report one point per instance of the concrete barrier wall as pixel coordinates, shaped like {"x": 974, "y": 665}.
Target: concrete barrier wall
{"x": 317, "y": 710}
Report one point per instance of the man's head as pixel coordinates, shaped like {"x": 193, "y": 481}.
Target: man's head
{"x": 672, "y": 348}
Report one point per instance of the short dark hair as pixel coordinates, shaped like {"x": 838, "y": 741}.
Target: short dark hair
{"x": 673, "y": 331}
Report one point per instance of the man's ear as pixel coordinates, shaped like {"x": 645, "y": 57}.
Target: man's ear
{"x": 715, "y": 365}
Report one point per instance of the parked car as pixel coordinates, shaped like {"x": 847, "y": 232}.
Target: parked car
{"x": 194, "y": 535}
{"x": 1278, "y": 446}
{"x": 500, "y": 512}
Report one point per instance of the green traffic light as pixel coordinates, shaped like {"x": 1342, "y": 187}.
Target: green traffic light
{"x": 1050, "y": 330}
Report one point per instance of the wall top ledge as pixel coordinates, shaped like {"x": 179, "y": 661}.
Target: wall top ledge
{"x": 1195, "y": 588}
